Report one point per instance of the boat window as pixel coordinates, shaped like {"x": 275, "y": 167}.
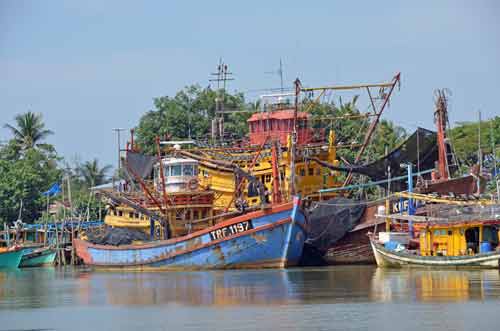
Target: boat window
{"x": 302, "y": 172}
{"x": 195, "y": 214}
{"x": 450, "y": 232}
{"x": 176, "y": 170}
{"x": 311, "y": 171}
{"x": 120, "y": 213}
{"x": 187, "y": 170}
{"x": 436, "y": 232}
{"x": 268, "y": 178}
{"x": 130, "y": 215}
{"x": 443, "y": 232}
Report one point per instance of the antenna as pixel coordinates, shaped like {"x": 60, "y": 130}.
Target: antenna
{"x": 221, "y": 76}
{"x": 280, "y": 73}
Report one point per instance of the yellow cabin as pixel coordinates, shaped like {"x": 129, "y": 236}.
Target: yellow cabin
{"x": 458, "y": 239}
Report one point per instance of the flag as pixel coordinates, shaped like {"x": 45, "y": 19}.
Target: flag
{"x": 53, "y": 190}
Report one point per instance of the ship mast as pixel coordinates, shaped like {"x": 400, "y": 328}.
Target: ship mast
{"x": 293, "y": 148}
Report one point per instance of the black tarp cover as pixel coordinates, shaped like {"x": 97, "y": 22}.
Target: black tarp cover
{"x": 330, "y": 220}
{"x": 117, "y": 236}
{"x": 420, "y": 147}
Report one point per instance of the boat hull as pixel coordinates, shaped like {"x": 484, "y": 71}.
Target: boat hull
{"x": 38, "y": 258}
{"x": 271, "y": 238}
{"x": 10, "y": 259}
{"x": 391, "y": 259}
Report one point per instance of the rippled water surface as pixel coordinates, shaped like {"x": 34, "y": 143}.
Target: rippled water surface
{"x": 342, "y": 298}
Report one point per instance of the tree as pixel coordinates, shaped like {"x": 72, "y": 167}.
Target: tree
{"x": 188, "y": 115}
{"x": 25, "y": 179}
{"x": 29, "y": 132}
{"x": 350, "y": 130}
{"x": 465, "y": 139}
{"x": 92, "y": 174}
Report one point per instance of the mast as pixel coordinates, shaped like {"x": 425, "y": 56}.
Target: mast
{"x": 294, "y": 138}
{"x": 441, "y": 115}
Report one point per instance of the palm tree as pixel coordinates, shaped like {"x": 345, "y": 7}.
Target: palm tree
{"x": 92, "y": 174}
{"x": 29, "y": 131}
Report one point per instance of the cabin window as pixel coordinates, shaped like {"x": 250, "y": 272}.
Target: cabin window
{"x": 130, "y": 215}
{"x": 318, "y": 171}
{"x": 443, "y": 232}
{"x": 436, "y": 232}
{"x": 450, "y": 232}
{"x": 188, "y": 170}
{"x": 195, "y": 214}
{"x": 311, "y": 171}
{"x": 302, "y": 172}
{"x": 176, "y": 170}
{"x": 268, "y": 178}
{"x": 120, "y": 213}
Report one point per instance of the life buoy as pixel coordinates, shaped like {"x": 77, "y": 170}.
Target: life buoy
{"x": 193, "y": 184}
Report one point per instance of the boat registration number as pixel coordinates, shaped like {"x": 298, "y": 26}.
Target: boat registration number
{"x": 230, "y": 230}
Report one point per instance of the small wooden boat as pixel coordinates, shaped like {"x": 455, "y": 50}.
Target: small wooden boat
{"x": 457, "y": 237}
{"x": 10, "y": 259}
{"x": 269, "y": 238}
{"x": 394, "y": 259}
{"x": 44, "y": 256}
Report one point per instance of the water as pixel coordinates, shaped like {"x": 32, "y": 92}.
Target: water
{"x": 342, "y": 298}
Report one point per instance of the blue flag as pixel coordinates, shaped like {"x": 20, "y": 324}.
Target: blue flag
{"x": 53, "y": 190}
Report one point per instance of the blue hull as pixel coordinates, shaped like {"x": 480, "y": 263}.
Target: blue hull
{"x": 265, "y": 239}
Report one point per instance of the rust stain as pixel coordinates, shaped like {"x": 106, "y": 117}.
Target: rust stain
{"x": 217, "y": 251}
{"x": 260, "y": 238}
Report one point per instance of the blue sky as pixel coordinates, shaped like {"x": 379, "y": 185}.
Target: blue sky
{"x": 90, "y": 66}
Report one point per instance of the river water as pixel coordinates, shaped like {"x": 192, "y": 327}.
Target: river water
{"x": 330, "y": 298}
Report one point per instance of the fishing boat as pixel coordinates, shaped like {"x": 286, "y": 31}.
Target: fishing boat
{"x": 459, "y": 236}
{"x": 10, "y": 258}
{"x": 269, "y": 238}
{"x": 37, "y": 257}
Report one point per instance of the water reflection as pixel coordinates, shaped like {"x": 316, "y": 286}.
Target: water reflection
{"x": 435, "y": 285}
{"x": 49, "y": 287}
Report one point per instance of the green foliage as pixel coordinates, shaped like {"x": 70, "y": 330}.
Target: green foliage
{"x": 25, "y": 179}
{"x": 351, "y": 130}
{"x": 29, "y": 131}
{"x": 189, "y": 114}
{"x": 465, "y": 139}
{"x": 92, "y": 174}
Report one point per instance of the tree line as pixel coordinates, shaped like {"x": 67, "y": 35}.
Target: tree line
{"x": 29, "y": 166}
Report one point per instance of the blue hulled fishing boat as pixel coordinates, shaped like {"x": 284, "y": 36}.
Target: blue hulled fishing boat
{"x": 269, "y": 238}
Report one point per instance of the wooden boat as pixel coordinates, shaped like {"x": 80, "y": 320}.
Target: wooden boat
{"x": 43, "y": 256}
{"x": 389, "y": 258}
{"x": 10, "y": 259}
{"x": 456, "y": 236}
{"x": 269, "y": 238}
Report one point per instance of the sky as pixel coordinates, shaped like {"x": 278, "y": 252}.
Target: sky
{"x": 91, "y": 66}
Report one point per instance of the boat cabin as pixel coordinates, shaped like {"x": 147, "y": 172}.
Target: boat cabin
{"x": 278, "y": 125}
{"x": 181, "y": 174}
{"x": 458, "y": 239}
